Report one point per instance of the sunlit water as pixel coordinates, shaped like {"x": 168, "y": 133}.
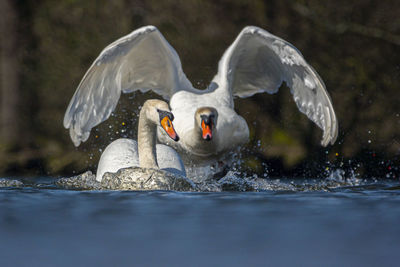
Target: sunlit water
{"x": 299, "y": 223}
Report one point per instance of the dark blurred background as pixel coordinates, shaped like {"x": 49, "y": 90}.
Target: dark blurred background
{"x": 46, "y": 47}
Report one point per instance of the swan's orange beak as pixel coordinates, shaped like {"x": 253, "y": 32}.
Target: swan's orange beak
{"x": 207, "y": 131}
{"x": 166, "y": 123}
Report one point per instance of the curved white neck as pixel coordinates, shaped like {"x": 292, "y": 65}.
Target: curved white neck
{"x": 147, "y": 136}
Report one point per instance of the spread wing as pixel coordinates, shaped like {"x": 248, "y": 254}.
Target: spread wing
{"x": 142, "y": 60}
{"x": 258, "y": 61}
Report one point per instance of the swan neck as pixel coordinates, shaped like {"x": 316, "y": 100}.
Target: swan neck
{"x": 147, "y": 136}
{"x": 223, "y": 92}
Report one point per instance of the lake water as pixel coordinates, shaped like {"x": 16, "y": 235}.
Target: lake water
{"x": 308, "y": 226}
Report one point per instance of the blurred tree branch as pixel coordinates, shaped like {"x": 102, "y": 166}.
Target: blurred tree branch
{"x": 8, "y": 73}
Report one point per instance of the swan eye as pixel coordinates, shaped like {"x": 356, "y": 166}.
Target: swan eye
{"x": 163, "y": 114}
{"x": 208, "y": 119}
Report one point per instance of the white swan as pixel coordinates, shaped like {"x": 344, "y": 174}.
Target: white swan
{"x": 256, "y": 62}
{"x": 123, "y": 153}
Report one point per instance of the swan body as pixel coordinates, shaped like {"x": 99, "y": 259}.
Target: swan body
{"x": 231, "y": 129}
{"x": 256, "y": 62}
{"x": 124, "y": 152}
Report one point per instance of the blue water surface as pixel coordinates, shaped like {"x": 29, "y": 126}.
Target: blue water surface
{"x": 348, "y": 226}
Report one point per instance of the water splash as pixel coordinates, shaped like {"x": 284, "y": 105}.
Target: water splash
{"x": 4, "y": 182}
{"x": 141, "y": 179}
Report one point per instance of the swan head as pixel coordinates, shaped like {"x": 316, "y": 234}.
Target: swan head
{"x": 206, "y": 118}
{"x": 159, "y": 113}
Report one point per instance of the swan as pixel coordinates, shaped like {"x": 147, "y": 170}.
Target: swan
{"x": 208, "y": 126}
{"x": 124, "y": 152}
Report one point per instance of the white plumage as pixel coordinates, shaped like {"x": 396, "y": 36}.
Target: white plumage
{"x": 123, "y": 153}
{"x": 256, "y": 62}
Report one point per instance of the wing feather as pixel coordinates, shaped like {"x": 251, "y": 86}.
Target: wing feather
{"x": 258, "y": 62}
{"x": 142, "y": 60}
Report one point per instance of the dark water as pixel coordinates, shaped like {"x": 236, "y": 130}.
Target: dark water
{"x": 345, "y": 226}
